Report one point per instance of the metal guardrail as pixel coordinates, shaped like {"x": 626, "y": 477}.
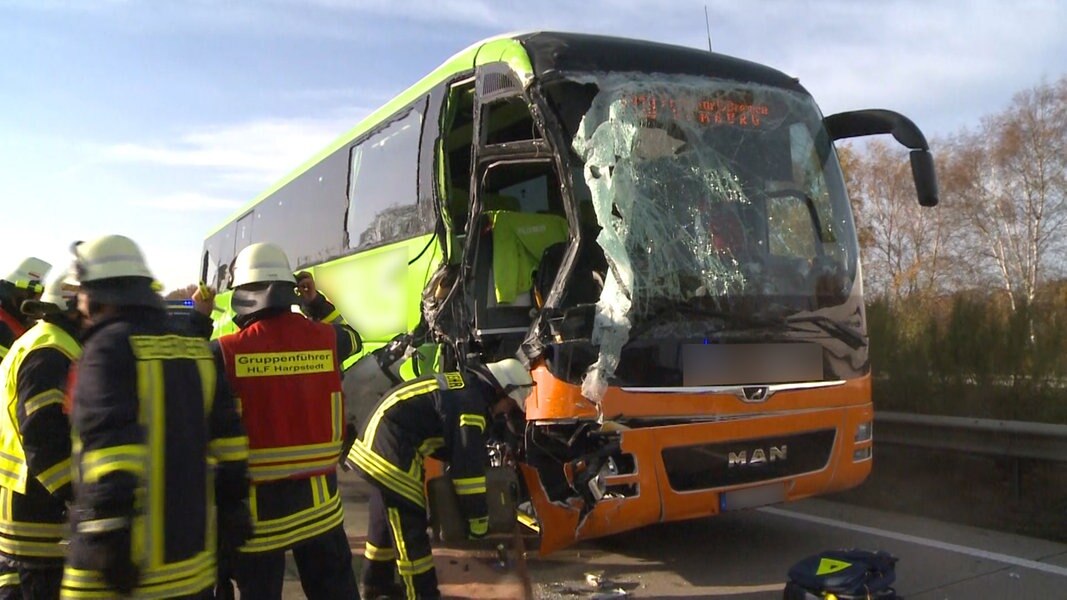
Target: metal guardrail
{"x": 1013, "y": 439}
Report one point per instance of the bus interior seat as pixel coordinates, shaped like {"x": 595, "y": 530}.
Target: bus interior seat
{"x": 510, "y": 248}
{"x": 459, "y": 203}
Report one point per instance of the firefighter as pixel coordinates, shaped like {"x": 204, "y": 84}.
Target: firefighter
{"x": 35, "y": 445}
{"x": 24, "y": 283}
{"x": 443, "y": 415}
{"x": 286, "y": 370}
{"x": 156, "y": 436}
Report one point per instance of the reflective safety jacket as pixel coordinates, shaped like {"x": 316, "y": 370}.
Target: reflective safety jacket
{"x": 35, "y": 442}
{"x": 285, "y": 370}
{"x": 10, "y": 329}
{"x": 155, "y": 428}
{"x": 443, "y": 415}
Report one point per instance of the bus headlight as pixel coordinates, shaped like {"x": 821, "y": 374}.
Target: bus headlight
{"x": 864, "y": 432}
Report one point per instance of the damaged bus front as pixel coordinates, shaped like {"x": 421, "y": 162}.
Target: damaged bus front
{"x": 702, "y": 346}
{"x": 661, "y": 233}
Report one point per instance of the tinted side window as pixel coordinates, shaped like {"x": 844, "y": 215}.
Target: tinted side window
{"x": 304, "y": 216}
{"x": 383, "y": 184}
{"x": 218, "y": 249}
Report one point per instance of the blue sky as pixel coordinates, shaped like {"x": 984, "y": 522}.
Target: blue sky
{"x": 156, "y": 119}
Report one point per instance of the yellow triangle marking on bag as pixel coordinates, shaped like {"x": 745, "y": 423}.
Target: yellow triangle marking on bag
{"x": 829, "y": 565}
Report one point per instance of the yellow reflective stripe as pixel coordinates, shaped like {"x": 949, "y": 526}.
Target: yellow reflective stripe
{"x": 46, "y": 398}
{"x": 208, "y": 376}
{"x": 28, "y": 548}
{"x": 149, "y": 529}
{"x": 169, "y": 347}
{"x": 291, "y": 453}
{"x": 229, "y": 449}
{"x": 295, "y": 528}
{"x": 469, "y": 485}
{"x": 9, "y": 580}
{"x": 5, "y": 504}
{"x": 357, "y": 344}
{"x": 402, "y": 551}
{"x": 387, "y": 474}
{"x": 471, "y": 420}
{"x": 479, "y": 525}
{"x": 337, "y": 406}
{"x": 431, "y": 445}
{"x": 103, "y": 525}
{"x": 314, "y": 512}
{"x": 97, "y": 463}
{"x": 56, "y": 476}
{"x": 318, "y": 495}
{"x": 13, "y": 472}
{"x": 415, "y": 567}
{"x": 333, "y": 316}
{"x": 372, "y": 552}
{"x": 408, "y": 391}
{"x": 263, "y": 473}
{"x": 33, "y": 530}
{"x": 177, "y": 579}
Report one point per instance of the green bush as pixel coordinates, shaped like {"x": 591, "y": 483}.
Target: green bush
{"x": 971, "y": 355}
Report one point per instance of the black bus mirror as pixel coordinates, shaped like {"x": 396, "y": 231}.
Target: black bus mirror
{"x": 922, "y": 171}
{"x": 858, "y": 123}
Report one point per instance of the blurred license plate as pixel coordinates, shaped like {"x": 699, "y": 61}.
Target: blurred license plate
{"x": 752, "y": 497}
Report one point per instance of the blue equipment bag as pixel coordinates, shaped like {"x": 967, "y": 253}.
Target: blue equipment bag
{"x": 843, "y": 574}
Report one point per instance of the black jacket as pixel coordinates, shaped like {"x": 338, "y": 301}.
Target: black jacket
{"x": 151, "y": 407}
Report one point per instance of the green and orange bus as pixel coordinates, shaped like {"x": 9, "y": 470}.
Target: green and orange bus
{"x": 661, "y": 233}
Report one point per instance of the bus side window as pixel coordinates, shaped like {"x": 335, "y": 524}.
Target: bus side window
{"x": 382, "y": 193}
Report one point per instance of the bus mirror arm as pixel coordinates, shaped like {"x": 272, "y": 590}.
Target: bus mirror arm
{"x": 859, "y": 123}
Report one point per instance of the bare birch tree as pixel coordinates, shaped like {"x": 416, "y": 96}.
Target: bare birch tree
{"x": 906, "y": 249}
{"x": 1010, "y": 180}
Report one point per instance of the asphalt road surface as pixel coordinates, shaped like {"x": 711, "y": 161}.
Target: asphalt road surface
{"x": 745, "y": 555}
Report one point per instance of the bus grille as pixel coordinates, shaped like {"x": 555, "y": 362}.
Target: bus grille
{"x": 723, "y": 464}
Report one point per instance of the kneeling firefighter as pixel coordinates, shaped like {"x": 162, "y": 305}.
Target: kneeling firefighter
{"x": 35, "y": 445}
{"x": 443, "y": 416}
{"x": 286, "y": 370}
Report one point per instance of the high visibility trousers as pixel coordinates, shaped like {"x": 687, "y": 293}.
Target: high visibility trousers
{"x": 324, "y": 563}
{"x": 19, "y": 581}
{"x": 398, "y": 528}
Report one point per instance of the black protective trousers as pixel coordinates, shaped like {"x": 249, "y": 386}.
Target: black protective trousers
{"x": 19, "y": 581}
{"x": 324, "y": 563}
{"x": 397, "y": 543}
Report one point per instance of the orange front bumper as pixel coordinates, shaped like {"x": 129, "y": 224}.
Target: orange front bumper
{"x": 655, "y": 500}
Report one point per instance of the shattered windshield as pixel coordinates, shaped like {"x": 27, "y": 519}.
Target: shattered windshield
{"x": 711, "y": 196}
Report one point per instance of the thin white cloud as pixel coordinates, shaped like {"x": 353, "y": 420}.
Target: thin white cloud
{"x": 188, "y": 202}
{"x": 254, "y": 152}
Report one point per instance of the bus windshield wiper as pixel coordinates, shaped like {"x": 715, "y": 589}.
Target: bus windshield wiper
{"x": 854, "y": 339}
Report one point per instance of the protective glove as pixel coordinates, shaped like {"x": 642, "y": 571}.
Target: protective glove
{"x": 109, "y": 553}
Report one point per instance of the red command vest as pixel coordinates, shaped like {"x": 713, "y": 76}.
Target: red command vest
{"x": 285, "y": 371}
{"x": 14, "y": 325}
